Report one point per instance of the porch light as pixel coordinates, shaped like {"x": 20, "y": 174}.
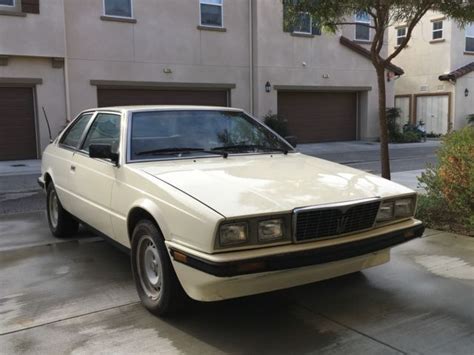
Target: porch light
{"x": 268, "y": 87}
{"x": 466, "y": 92}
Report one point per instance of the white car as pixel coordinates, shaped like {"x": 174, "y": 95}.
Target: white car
{"x": 215, "y": 205}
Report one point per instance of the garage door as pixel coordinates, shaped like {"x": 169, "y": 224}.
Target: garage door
{"x": 318, "y": 116}
{"x": 17, "y": 124}
{"x": 434, "y": 111}
{"x": 119, "y": 97}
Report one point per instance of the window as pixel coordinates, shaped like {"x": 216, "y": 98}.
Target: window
{"x": 437, "y": 30}
{"x": 401, "y": 35}
{"x": 118, "y": 8}
{"x": 470, "y": 38}
{"x": 303, "y": 23}
{"x": 74, "y": 134}
{"x": 362, "y": 28}
{"x": 104, "y": 130}
{"x": 160, "y": 134}
{"x": 211, "y": 12}
{"x": 10, "y": 3}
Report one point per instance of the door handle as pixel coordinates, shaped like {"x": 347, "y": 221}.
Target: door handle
{"x": 73, "y": 168}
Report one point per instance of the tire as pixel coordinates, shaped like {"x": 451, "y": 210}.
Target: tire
{"x": 61, "y": 223}
{"x": 156, "y": 281}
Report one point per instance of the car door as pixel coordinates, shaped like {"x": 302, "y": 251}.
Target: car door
{"x": 62, "y": 160}
{"x": 94, "y": 178}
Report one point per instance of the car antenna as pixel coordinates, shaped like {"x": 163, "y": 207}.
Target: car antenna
{"x": 49, "y": 127}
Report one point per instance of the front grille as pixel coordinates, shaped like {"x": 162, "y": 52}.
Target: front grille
{"x": 331, "y": 222}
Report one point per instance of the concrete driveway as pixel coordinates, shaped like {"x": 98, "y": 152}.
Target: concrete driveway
{"x": 77, "y": 296}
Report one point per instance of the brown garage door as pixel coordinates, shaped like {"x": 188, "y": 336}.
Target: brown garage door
{"x": 319, "y": 116}
{"x": 119, "y": 97}
{"x": 17, "y": 124}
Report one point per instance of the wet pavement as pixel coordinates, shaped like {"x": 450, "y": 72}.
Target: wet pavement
{"x": 77, "y": 296}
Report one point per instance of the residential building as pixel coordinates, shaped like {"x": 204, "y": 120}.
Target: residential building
{"x": 438, "y": 85}
{"x": 69, "y": 55}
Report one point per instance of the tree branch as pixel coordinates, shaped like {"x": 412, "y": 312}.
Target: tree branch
{"x": 350, "y": 23}
{"x": 411, "y": 26}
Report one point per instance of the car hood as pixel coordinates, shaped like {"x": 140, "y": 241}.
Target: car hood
{"x": 260, "y": 184}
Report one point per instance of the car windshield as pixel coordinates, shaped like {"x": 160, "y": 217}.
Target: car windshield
{"x": 183, "y": 133}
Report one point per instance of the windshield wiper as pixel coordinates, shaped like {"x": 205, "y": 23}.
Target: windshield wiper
{"x": 250, "y": 147}
{"x": 165, "y": 151}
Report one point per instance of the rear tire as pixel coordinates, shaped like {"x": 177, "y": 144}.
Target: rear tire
{"x": 61, "y": 223}
{"x": 157, "y": 284}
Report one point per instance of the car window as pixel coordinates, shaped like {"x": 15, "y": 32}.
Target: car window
{"x": 199, "y": 130}
{"x": 104, "y": 130}
{"x": 73, "y": 136}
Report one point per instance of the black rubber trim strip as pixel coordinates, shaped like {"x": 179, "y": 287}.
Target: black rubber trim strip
{"x": 303, "y": 258}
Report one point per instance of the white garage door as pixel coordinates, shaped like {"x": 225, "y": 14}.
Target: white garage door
{"x": 434, "y": 111}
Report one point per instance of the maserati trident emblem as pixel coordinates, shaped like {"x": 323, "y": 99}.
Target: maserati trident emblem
{"x": 341, "y": 224}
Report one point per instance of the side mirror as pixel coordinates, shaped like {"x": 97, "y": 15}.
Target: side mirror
{"x": 292, "y": 140}
{"x": 103, "y": 151}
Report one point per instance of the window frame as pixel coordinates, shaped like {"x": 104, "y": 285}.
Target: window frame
{"x": 367, "y": 24}
{"x": 466, "y": 37}
{"x": 3, "y": 6}
{"x": 89, "y": 127}
{"x": 16, "y": 7}
{"x": 433, "y": 30}
{"x": 207, "y": 2}
{"x": 310, "y": 32}
{"x": 71, "y": 125}
{"x": 398, "y": 37}
{"x": 115, "y": 16}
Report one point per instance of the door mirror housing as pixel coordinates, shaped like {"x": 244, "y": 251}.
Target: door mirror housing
{"x": 292, "y": 140}
{"x": 103, "y": 151}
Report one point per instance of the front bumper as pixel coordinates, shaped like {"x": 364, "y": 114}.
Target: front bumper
{"x": 316, "y": 256}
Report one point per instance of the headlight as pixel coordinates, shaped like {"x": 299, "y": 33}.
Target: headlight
{"x": 404, "y": 207}
{"x": 270, "y": 230}
{"x": 396, "y": 209}
{"x": 230, "y": 234}
{"x": 385, "y": 212}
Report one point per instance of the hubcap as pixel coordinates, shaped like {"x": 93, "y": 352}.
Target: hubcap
{"x": 149, "y": 267}
{"x": 53, "y": 208}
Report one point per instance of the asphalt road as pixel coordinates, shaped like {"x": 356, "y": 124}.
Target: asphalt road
{"x": 366, "y": 155}
{"x": 77, "y": 296}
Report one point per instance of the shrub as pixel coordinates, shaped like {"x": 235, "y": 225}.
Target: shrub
{"x": 395, "y": 134}
{"x": 449, "y": 185}
{"x": 278, "y": 123}
{"x": 394, "y": 129}
{"x": 470, "y": 118}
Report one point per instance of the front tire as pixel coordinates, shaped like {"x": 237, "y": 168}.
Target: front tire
{"x": 61, "y": 223}
{"x": 157, "y": 284}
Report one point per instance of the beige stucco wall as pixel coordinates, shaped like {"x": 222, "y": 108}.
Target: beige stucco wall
{"x": 423, "y": 61}
{"x": 464, "y": 105}
{"x": 315, "y": 62}
{"x": 165, "y": 36}
{"x": 49, "y": 94}
{"x": 36, "y": 34}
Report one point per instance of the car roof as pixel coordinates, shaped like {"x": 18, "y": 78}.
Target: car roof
{"x": 139, "y": 108}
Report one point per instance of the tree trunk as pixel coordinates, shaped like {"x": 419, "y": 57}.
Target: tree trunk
{"x": 384, "y": 153}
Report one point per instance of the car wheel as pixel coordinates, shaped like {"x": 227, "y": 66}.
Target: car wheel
{"x": 157, "y": 284}
{"x": 61, "y": 223}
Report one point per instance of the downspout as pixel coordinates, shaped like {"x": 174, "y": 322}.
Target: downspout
{"x": 66, "y": 72}
{"x": 251, "y": 61}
